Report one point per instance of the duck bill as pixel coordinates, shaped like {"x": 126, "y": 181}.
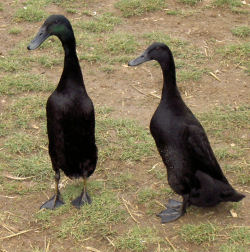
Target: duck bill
{"x": 41, "y": 36}
{"x": 143, "y": 58}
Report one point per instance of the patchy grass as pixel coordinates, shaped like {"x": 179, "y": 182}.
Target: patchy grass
{"x": 240, "y": 235}
{"x": 226, "y": 126}
{"x": 189, "y": 75}
{"x": 189, "y": 2}
{"x": 228, "y": 3}
{"x": 138, "y": 239}
{"x": 121, "y": 43}
{"x": 94, "y": 219}
{"x": 130, "y": 179}
{"x": 225, "y": 123}
{"x": 21, "y": 143}
{"x": 173, "y": 12}
{"x": 133, "y": 142}
{"x": 241, "y": 31}
{"x": 225, "y": 154}
{"x": 199, "y": 234}
{"x": 237, "y": 10}
{"x": 27, "y": 110}
{"x": 30, "y": 14}
{"x": 15, "y": 30}
{"x": 146, "y": 194}
{"x": 19, "y": 83}
{"x": 131, "y": 8}
{"x": 105, "y": 22}
{"x": 37, "y": 165}
{"x": 119, "y": 46}
{"x": 239, "y": 240}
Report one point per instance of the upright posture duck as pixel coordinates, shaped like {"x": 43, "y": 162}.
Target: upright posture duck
{"x": 192, "y": 169}
{"x": 70, "y": 115}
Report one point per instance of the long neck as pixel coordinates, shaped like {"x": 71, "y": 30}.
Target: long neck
{"x": 72, "y": 74}
{"x": 170, "y": 89}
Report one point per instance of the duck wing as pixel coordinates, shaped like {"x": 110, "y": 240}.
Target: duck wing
{"x": 202, "y": 153}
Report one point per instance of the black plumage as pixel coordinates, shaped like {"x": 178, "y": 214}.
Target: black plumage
{"x": 70, "y": 114}
{"x": 192, "y": 169}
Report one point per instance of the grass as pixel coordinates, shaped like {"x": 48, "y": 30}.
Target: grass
{"x": 21, "y": 143}
{"x": 20, "y": 112}
{"x": 30, "y": 14}
{"x": 239, "y": 240}
{"x": 133, "y": 142}
{"x": 20, "y": 83}
{"x": 137, "y": 239}
{"x": 146, "y": 194}
{"x": 190, "y": 75}
{"x": 37, "y": 165}
{"x": 225, "y": 154}
{"x": 105, "y": 22}
{"x": 15, "y": 31}
{"x": 229, "y": 3}
{"x": 173, "y": 12}
{"x": 131, "y": 8}
{"x": 241, "y": 31}
{"x": 226, "y": 126}
{"x": 94, "y": 219}
{"x": 219, "y": 122}
{"x": 199, "y": 234}
{"x": 240, "y": 235}
{"x": 115, "y": 48}
{"x": 121, "y": 182}
{"x": 121, "y": 43}
{"x": 190, "y": 2}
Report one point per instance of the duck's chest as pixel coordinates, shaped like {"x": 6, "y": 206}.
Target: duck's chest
{"x": 167, "y": 131}
{"x": 163, "y": 125}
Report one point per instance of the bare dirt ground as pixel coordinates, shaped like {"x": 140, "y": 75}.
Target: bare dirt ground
{"x": 120, "y": 90}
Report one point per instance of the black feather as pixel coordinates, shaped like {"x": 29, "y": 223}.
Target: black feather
{"x": 70, "y": 111}
{"x": 193, "y": 171}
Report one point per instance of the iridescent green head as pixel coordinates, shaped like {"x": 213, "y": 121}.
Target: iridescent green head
{"x": 57, "y": 25}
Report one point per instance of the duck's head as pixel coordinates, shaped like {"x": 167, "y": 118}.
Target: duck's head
{"x": 57, "y": 25}
{"x": 157, "y": 51}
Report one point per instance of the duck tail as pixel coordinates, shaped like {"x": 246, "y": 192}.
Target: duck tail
{"x": 232, "y": 195}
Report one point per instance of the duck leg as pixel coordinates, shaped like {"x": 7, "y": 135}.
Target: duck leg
{"x": 84, "y": 198}
{"x": 175, "y": 210}
{"x": 56, "y": 200}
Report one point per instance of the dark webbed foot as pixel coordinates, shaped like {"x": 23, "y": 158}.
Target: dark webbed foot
{"x": 174, "y": 204}
{"x": 174, "y": 211}
{"x": 170, "y": 214}
{"x": 53, "y": 203}
{"x": 84, "y": 198}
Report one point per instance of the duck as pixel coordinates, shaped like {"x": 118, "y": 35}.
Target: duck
{"x": 193, "y": 171}
{"x": 70, "y": 116}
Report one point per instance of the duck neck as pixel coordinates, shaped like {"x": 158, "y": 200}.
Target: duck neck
{"x": 72, "y": 74}
{"x": 170, "y": 89}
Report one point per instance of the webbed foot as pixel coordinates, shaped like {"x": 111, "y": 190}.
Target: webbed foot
{"x": 174, "y": 204}
{"x": 174, "y": 211}
{"x": 84, "y": 198}
{"x": 53, "y": 203}
{"x": 170, "y": 214}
